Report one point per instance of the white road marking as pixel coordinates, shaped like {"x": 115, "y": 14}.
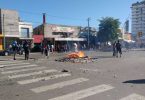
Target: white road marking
{"x": 14, "y": 64}
{"x": 134, "y": 97}
{"x": 10, "y": 62}
{"x": 33, "y": 73}
{"x": 89, "y": 69}
{"x": 22, "y": 70}
{"x": 42, "y": 78}
{"x": 19, "y": 67}
{"x": 84, "y": 93}
{"x": 58, "y": 85}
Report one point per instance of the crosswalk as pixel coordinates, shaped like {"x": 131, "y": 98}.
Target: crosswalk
{"x": 26, "y": 74}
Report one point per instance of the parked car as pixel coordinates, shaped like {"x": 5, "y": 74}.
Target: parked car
{"x": 8, "y": 52}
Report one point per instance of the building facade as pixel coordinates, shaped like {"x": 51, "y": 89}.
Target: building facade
{"x": 25, "y": 31}
{"x": 138, "y": 18}
{"x": 57, "y": 35}
{"x": 12, "y": 29}
{"x": 9, "y": 26}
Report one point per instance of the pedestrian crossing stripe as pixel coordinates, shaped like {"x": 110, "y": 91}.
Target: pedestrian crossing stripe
{"x": 23, "y": 82}
{"x": 19, "y": 67}
{"x": 84, "y": 93}
{"x": 10, "y": 62}
{"x": 134, "y": 97}
{"x": 6, "y": 60}
{"x": 22, "y": 70}
{"x": 30, "y": 74}
{"x": 6, "y": 65}
{"x": 58, "y": 85}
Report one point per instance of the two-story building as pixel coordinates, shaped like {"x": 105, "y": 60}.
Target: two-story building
{"x": 11, "y": 28}
{"x": 57, "y": 35}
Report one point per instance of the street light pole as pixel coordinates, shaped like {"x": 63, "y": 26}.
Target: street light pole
{"x": 4, "y": 40}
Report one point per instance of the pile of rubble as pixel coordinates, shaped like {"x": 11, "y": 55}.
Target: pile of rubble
{"x": 77, "y": 60}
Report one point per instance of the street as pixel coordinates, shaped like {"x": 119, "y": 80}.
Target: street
{"x": 39, "y": 78}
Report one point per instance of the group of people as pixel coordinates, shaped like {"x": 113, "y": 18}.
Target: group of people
{"x": 25, "y": 46}
{"x": 117, "y": 49}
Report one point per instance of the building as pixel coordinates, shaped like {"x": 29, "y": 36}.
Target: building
{"x": 12, "y": 29}
{"x": 57, "y": 35}
{"x": 25, "y": 31}
{"x": 9, "y": 27}
{"x": 138, "y": 18}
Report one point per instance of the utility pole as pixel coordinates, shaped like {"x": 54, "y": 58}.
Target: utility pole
{"x": 43, "y": 26}
{"x": 4, "y": 40}
{"x": 88, "y": 32}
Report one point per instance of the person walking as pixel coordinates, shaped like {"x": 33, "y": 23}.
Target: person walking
{"x": 47, "y": 50}
{"x": 114, "y": 49}
{"x": 118, "y": 49}
{"x": 26, "y": 50}
{"x": 14, "y": 48}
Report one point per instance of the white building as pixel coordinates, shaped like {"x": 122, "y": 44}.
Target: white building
{"x": 138, "y": 17}
{"x": 25, "y": 31}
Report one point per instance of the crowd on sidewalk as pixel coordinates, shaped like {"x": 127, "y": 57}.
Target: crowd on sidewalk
{"x": 46, "y": 48}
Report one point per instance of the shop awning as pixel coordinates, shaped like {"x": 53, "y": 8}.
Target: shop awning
{"x": 38, "y": 38}
{"x": 26, "y": 38}
{"x": 70, "y": 39}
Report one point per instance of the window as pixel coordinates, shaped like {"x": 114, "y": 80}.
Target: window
{"x": 25, "y": 32}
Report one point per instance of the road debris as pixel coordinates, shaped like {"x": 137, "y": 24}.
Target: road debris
{"x": 64, "y": 70}
{"x": 77, "y": 60}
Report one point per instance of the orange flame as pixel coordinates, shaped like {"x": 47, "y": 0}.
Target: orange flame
{"x": 79, "y": 54}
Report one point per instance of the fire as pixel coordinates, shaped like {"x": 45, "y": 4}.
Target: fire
{"x": 79, "y": 54}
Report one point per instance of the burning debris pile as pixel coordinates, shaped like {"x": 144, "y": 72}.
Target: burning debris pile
{"x": 77, "y": 57}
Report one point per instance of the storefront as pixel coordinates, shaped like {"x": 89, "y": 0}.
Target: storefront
{"x": 61, "y": 36}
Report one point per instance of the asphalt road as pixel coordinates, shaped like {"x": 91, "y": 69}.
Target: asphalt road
{"x": 39, "y": 78}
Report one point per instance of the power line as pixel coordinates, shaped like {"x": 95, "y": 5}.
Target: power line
{"x": 49, "y": 15}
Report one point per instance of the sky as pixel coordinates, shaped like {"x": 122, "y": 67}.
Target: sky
{"x": 70, "y": 12}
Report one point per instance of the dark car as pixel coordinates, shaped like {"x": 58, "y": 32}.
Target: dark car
{"x": 5, "y": 52}
{"x": 8, "y": 52}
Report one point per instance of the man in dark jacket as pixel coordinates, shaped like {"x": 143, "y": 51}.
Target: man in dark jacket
{"x": 14, "y": 48}
{"x": 26, "y": 50}
{"x": 118, "y": 48}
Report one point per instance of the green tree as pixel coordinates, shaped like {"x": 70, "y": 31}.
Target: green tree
{"x": 108, "y": 29}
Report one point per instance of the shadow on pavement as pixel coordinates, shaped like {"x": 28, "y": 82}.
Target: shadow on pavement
{"x": 139, "y": 81}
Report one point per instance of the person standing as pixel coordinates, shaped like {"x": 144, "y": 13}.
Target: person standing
{"x": 14, "y": 48}
{"x": 26, "y": 50}
{"x": 52, "y": 48}
{"x": 75, "y": 47}
{"x": 118, "y": 48}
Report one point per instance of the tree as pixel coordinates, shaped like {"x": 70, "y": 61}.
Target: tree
{"x": 108, "y": 29}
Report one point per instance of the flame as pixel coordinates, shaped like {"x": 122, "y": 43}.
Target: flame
{"x": 79, "y": 54}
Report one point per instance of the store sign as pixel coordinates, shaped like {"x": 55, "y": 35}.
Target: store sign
{"x": 62, "y": 29}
